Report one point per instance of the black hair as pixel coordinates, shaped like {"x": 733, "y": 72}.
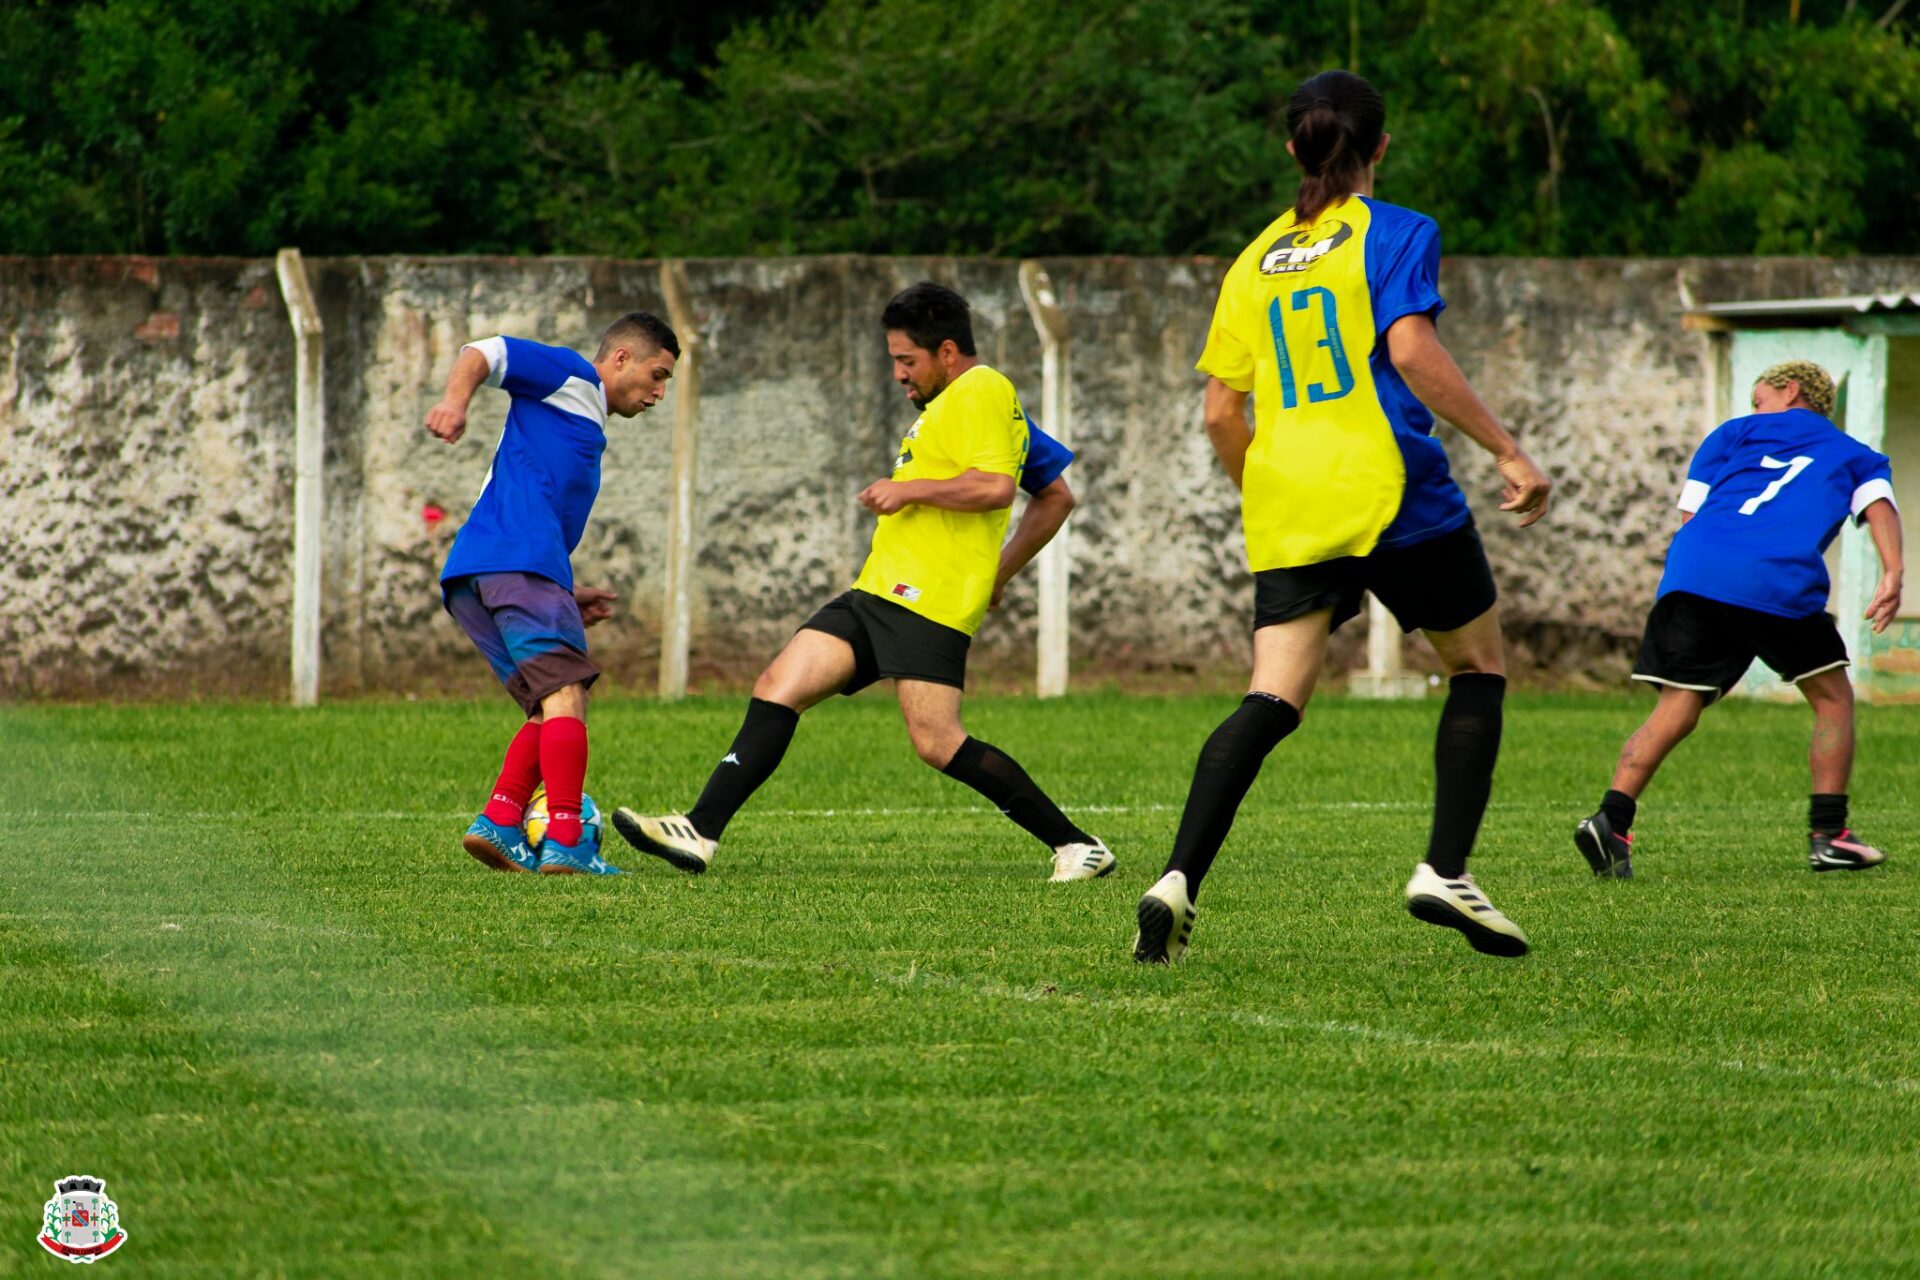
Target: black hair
{"x": 1334, "y": 120}
{"x": 930, "y": 314}
{"x": 639, "y": 327}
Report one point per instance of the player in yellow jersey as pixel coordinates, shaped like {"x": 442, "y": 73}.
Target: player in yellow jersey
{"x": 910, "y": 617}
{"x": 1327, "y": 322}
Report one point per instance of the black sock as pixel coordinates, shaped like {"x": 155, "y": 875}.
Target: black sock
{"x": 999, "y": 777}
{"x": 1619, "y": 807}
{"x": 1464, "y": 752}
{"x": 1229, "y": 762}
{"x": 1828, "y": 812}
{"x": 750, "y": 761}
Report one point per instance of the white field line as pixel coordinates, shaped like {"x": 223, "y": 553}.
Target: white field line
{"x": 1060, "y": 998}
{"x": 927, "y": 811}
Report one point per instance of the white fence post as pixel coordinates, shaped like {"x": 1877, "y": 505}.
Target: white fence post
{"x": 1055, "y": 568}
{"x": 676, "y": 629}
{"x": 309, "y": 455}
{"x": 1384, "y": 676}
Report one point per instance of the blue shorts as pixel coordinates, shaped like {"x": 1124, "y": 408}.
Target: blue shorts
{"x": 529, "y": 629}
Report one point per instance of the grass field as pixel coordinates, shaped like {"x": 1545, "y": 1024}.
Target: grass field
{"x": 247, "y": 977}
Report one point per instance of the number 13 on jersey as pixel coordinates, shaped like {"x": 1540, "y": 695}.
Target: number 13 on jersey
{"x": 1328, "y": 316}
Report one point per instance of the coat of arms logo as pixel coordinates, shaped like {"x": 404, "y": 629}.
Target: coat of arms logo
{"x": 82, "y": 1225}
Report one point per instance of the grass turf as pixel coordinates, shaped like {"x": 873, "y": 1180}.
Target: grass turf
{"x": 247, "y": 977}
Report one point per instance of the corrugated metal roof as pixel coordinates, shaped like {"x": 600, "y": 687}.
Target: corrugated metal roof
{"x": 1782, "y": 308}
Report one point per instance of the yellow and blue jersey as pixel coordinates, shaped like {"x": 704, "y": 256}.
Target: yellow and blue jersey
{"x": 941, "y": 564}
{"x": 1343, "y": 458}
{"x": 1767, "y": 493}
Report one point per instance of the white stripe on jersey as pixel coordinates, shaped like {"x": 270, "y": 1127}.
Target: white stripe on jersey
{"x": 582, "y": 399}
{"x": 1871, "y": 492}
{"x": 1693, "y": 495}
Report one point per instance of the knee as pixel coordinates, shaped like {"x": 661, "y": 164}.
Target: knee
{"x": 770, "y": 688}
{"x": 936, "y": 746}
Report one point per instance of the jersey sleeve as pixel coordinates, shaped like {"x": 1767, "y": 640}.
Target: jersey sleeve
{"x": 529, "y": 369}
{"x": 1047, "y": 458}
{"x": 1872, "y": 480}
{"x": 1708, "y": 461}
{"x": 1406, "y": 281}
{"x": 982, "y": 426}
{"x": 1227, "y": 355}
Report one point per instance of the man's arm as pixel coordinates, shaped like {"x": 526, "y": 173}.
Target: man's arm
{"x": 1431, "y": 374}
{"x": 448, "y": 419}
{"x": 1225, "y": 413}
{"x": 1883, "y": 522}
{"x": 1046, "y": 511}
{"x": 971, "y": 490}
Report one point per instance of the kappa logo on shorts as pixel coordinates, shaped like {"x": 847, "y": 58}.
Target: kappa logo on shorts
{"x": 905, "y": 591}
{"x": 1302, "y": 249}
{"x": 81, "y": 1224}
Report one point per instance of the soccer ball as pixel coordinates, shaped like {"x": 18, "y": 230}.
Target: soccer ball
{"x": 534, "y": 820}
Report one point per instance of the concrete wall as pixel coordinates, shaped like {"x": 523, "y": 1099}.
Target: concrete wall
{"x": 146, "y": 455}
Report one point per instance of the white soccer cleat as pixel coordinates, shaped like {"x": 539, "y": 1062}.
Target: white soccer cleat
{"x": 1459, "y": 904}
{"x": 1080, "y": 862}
{"x": 1166, "y": 921}
{"x": 670, "y": 837}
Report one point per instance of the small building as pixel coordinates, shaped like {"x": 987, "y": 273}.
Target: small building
{"x": 1871, "y": 345}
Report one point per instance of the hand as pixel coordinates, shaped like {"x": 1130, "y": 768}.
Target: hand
{"x": 999, "y": 594}
{"x": 596, "y": 604}
{"x": 447, "y": 420}
{"x": 1886, "y": 601}
{"x": 1525, "y": 489}
{"x": 884, "y": 497}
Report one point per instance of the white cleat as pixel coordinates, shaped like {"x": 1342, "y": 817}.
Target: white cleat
{"x": 1080, "y": 862}
{"x": 1166, "y": 921}
{"x": 671, "y": 838}
{"x": 1459, "y": 904}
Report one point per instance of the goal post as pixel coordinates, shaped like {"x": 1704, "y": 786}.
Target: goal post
{"x": 1054, "y": 566}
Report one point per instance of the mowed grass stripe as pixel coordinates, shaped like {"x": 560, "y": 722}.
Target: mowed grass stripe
{"x": 877, "y": 1044}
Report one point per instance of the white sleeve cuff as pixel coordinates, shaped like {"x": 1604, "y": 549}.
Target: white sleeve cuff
{"x": 1871, "y": 492}
{"x": 1693, "y": 495}
{"x": 495, "y": 352}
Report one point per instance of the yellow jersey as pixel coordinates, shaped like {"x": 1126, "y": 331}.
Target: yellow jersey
{"x": 1343, "y": 458}
{"x": 941, "y": 564}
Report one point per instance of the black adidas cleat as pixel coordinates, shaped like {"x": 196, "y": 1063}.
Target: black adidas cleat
{"x": 1605, "y": 851}
{"x": 1842, "y": 852}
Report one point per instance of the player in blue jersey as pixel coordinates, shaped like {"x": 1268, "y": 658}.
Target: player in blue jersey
{"x": 1746, "y": 578}
{"x": 508, "y": 580}
{"x": 1326, "y": 321}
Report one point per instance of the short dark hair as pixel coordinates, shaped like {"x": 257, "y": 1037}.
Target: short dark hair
{"x": 1335, "y": 120}
{"x": 639, "y": 327}
{"x": 930, "y": 314}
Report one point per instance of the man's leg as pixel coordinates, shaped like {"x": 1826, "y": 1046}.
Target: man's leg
{"x": 1466, "y": 745}
{"x": 932, "y": 713}
{"x": 813, "y": 667}
{"x": 1832, "y": 845}
{"x": 495, "y": 838}
{"x": 1287, "y": 658}
{"x": 1606, "y": 838}
{"x": 563, "y": 760}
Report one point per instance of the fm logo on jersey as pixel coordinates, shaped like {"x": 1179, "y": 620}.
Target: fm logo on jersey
{"x": 1302, "y": 249}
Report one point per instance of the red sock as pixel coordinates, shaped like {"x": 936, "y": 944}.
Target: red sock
{"x": 563, "y": 763}
{"x": 519, "y": 775}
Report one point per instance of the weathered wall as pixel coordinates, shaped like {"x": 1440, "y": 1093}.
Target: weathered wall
{"x": 146, "y": 441}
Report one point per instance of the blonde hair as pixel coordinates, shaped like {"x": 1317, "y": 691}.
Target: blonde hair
{"x": 1816, "y": 384}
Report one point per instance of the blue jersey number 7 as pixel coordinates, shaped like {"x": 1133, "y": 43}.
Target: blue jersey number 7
{"x": 1329, "y": 317}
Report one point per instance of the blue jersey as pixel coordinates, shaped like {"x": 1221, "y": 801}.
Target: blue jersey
{"x": 546, "y": 470}
{"x": 1767, "y": 493}
{"x": 1046, "y": 459}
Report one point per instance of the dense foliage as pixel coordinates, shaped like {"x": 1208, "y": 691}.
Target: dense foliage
{"x": 1002, "y": 126}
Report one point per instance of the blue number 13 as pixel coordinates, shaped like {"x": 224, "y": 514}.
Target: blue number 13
{"x": 1316, "y": 392}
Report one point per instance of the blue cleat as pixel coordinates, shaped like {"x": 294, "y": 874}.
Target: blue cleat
{"x": 501, "y": 847}
{"x": 581, "y": 859}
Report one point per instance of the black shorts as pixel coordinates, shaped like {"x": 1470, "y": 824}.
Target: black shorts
{"x": 1705, "y": 645}
{"x": 892, "y": 642}
{"x": 1441, "y": 584}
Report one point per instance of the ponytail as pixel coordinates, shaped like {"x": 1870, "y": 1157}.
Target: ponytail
{"x": 1334, "y": 121}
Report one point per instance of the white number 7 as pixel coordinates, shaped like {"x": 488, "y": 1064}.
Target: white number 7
{"x": 1793, "y": 468}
